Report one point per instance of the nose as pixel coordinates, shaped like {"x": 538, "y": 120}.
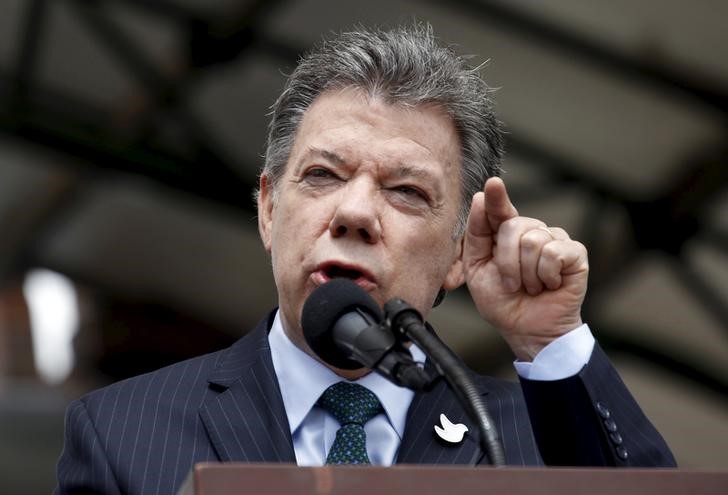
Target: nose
{"x": 357, "y": 213}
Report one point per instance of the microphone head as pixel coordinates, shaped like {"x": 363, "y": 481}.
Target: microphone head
{"x": 324, "y": 307}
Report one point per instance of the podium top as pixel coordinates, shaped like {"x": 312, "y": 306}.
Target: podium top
{"x": 286, "y": 479}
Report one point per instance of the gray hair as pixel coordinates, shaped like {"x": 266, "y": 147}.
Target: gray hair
{"x": 405, "y": 66}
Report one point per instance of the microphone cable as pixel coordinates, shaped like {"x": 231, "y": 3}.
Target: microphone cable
{"x": 407, "y": 324}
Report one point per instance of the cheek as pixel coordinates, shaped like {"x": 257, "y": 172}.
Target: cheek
{"x": 296, "y": 228}
{"x": 424, "y": 261}
{"x": 437, "y": 260}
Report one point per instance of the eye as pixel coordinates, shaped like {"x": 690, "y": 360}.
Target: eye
{"x": 411, "y": 193}
{"x": 408, "y": 191}
{"x": 319, "y": 176}
{"x": 319, "y": 172}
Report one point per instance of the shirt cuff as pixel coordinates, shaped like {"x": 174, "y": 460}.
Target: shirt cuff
{"x": 562, "y": 358}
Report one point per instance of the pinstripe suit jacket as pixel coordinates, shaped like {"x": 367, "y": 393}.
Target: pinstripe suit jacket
{"x": 143, "y": 435}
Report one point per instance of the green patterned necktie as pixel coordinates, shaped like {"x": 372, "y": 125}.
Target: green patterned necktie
{"x": 352, "y": 405}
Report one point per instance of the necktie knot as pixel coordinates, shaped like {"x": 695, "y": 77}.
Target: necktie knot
{"x": 350, "y": 403}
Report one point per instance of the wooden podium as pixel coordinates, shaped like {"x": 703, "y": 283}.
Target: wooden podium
{"x": 283, "y": 479}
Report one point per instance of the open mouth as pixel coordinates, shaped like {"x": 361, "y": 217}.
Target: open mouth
{"x": 335, "y": 271}
{"x": 332, "y": 269}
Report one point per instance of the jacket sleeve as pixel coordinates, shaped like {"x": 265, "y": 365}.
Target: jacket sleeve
{"x": 83, "y": 467}
{"x": 591, "y": 419}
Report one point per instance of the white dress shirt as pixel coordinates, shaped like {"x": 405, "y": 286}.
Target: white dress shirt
{"x": 302, "y": 379}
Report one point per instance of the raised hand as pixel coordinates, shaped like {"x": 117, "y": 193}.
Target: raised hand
{"x": 527, "y": 279}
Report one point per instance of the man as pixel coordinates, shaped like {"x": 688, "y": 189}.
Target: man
{"x": 378, "y": 154}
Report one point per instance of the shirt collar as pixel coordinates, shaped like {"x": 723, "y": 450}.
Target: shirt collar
{"x": 302, "y": 379}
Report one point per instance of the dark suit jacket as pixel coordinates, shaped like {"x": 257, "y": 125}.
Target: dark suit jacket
{"x": 143, "y": 435}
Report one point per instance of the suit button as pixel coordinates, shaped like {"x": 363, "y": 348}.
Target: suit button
{"x": 622, "y": 453}
{"x": 610, "y": 425}
{"x": 616, "y": 438}
{"x": 603, "y": 411}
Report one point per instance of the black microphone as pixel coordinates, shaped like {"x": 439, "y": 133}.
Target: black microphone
{"x": 342, "y": 325}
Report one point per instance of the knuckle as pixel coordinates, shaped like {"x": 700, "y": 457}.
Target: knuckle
{"x": 534, "y": 239}
{"x": 530, "y": 237}
{"x": 552, "y": 251}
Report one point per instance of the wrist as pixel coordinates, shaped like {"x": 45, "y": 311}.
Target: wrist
{"x": 526, "y": 347}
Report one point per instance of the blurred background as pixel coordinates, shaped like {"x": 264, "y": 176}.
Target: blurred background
{"x": 131, "y": 133}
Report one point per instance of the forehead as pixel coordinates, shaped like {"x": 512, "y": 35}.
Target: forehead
{"x": 355, "y": 125}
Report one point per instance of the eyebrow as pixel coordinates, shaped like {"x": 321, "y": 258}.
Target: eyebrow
{"x": 326, "y": 154}
{"x": 404, "y": 170}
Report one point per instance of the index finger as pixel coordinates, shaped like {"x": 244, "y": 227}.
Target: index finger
{"x": 498, "y": 206}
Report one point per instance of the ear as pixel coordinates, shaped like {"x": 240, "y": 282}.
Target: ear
{"x": 265, "y": 211}
{"x": 455, "y": 275}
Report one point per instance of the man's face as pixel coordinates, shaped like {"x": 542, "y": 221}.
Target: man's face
{"x": 371, "y": 193}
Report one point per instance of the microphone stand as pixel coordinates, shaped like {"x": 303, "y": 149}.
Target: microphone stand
{"x": 407, "y": 324}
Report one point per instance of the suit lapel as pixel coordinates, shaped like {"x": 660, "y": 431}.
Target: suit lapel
{"x": 246, "y": 420}
{"x": 421, "y": 445}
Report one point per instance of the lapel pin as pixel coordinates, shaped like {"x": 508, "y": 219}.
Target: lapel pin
{"x": 450, "y": 432}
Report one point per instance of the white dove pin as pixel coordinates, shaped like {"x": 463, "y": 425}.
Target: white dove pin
{"x": 450, "y": 432}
